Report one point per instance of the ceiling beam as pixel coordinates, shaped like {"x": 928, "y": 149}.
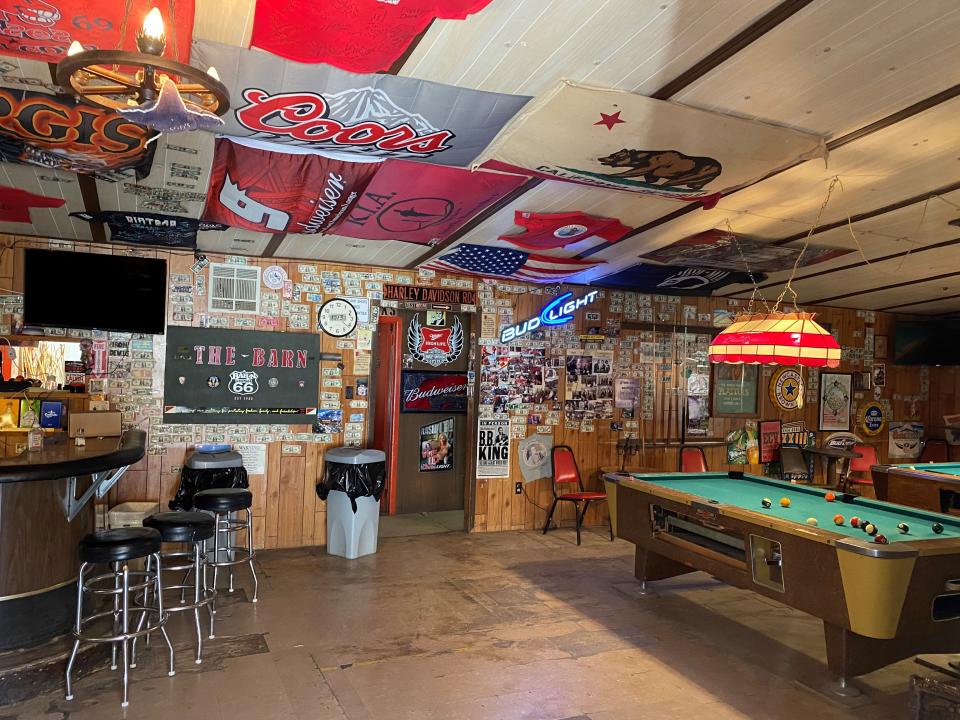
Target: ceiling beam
{"x": 757, "y": 29}
{"x": 920, "y": 302}
{"x": 273, "y": 244}
{"x": 862, "y": 263}
{"x": 906, "y": 283}
{"x": 405, "y": 55}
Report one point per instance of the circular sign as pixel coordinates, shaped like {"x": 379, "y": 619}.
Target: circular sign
{"x": 871, "y": 418}
{"x": 569, "y": 231}
{"x": 274, "y": 277}
{"x": 414, "y": 214}
{"x": 786, "y": 389}
{"x": 337, "y": 317}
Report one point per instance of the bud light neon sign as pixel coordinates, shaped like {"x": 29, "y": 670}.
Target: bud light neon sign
{"x": 556, "y": 312}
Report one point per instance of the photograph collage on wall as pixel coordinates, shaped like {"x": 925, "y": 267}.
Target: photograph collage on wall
{"x": 436, "y": 446}
{"x": 514, "y": 377}
{"x": 588, "y": 391}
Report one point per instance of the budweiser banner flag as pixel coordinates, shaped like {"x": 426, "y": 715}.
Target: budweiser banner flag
{"x": 358, "y": 35}
{"x": 421, "y": 203}
{"x": 44, "y": 29}
{"x": 722, "y": 249}
{"x": 56, "y": 131}
{"x": 575, "y": 231}
{"x": 623, "y": 141}
{"x": 324, "y": 108}
{"x": 275, "y": 192}
{"x": 433, "y": 392}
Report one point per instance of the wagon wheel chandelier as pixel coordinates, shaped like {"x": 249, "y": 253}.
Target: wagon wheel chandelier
{"x": 144, "y": 86}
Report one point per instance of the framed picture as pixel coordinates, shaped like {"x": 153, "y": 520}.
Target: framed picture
{"x": 835, "y": 395}
{"x": 880, "y": 347}
{"x": 734, "y": 390}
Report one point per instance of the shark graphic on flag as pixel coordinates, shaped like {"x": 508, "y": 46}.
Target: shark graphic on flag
{"x": 575, "y": 231}
{"x": 506, "y": 262}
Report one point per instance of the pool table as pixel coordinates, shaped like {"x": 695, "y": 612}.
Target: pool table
{"x": 931, "y": 486}
{"x": 879, "y": 603}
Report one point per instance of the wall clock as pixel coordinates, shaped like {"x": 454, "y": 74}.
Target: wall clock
{"x": 337, "y": 317}
{"x": 786, "y": 389}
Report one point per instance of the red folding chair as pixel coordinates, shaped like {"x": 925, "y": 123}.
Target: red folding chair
{"x": 859, "y": 470}
{"x": 564, "y": 470}
{"x": 935, "y": 451}
{"x": 692, "y": 459}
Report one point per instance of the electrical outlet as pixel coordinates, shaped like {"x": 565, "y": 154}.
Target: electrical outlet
{"x": 518, "y": 488}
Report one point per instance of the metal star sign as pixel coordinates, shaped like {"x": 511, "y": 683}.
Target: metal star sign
{"x": 609, "y": 121}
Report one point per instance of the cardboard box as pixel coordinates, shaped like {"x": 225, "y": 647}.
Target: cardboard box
{"x": 93, "y": 424}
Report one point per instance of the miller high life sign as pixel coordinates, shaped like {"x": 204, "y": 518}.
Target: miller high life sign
{"x": 434, "y": 346}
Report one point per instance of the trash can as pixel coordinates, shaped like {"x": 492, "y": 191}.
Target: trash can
{"x": 211, "y": 466}
{"x": 353, "y": 480}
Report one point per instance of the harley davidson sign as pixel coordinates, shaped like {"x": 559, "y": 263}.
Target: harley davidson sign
{"x": 411, "y": 293}
{"x": 434, "y": 392}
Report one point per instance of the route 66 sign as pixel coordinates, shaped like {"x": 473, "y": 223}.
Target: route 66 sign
{"x": 435, "y": 346}
{"x": 243, "y": 382}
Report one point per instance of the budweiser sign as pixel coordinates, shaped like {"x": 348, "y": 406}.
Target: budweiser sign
{"x": 434, "y": 392}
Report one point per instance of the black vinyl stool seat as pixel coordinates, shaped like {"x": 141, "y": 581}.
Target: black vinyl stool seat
{"x": 109, "y": 546}
{"x": 181, "y": 526}
{"x": 224, "y": 503}
{"x": 223, "y": 500}
{"x": 128, "y": 588}
{"x": 194, "y": 528}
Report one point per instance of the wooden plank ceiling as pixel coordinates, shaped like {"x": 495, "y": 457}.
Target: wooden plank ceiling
{"x": 878, "y": 80}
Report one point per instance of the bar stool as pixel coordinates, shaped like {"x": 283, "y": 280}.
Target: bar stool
{"x": 117, "y": 548}
{"x": 185, "y": 527}
{"x": 221, "y": 503}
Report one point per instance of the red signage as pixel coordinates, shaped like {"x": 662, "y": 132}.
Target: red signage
{"x": 434, "y": 392}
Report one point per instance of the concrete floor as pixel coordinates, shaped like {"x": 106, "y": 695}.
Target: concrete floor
{"x": 420, "y": 523}
{"x": 481, "y": 627}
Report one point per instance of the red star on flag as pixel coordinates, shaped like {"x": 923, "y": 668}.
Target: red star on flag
{"x": 610, "y": 120}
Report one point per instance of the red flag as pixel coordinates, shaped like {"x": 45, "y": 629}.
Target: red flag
{"x": 15, "y": 204}
{"x": 44, "y": 29}
{"x": 421, "y": 203}
{"x": 362, "y": 36}
{"x": 545, "y": 231}
{"x": 278, "y": 192}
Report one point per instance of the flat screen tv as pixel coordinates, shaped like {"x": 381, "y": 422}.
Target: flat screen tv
{"x": 89, "y": 291}
{"x": 927, "y": 342}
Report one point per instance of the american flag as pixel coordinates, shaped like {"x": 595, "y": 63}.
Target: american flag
{"x": 505, "y": 262}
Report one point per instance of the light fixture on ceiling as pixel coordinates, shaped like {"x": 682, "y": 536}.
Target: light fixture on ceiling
{"x": 144, "y": 86}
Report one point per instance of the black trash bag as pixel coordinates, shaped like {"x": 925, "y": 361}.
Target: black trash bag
{"x": 193, "y": 480}
{"x": 365, "y": 480}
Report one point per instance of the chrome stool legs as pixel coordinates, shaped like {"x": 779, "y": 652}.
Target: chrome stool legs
{"x": 229, "y": 527}
{"x": 144, "y": 583}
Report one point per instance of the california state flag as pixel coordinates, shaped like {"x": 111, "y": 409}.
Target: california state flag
{"x": 575, "y": 231}
{"x": 623, "y": 141}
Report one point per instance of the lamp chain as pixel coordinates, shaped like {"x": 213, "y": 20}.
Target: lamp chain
{"x": 756, "y": 288}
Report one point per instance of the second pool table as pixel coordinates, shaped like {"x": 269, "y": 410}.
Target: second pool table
{"x": 879, "y": 602}
{"x": 931, "y": 486}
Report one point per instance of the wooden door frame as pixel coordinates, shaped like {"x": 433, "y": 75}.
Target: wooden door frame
{"x": 392, "y": 406}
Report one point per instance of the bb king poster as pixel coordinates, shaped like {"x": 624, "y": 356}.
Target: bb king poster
{"x": 493, "y": 448}
{"x": 436, "y": 446}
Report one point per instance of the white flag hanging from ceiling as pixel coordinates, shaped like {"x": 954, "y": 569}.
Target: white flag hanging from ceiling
{"x": 620, "y": 140}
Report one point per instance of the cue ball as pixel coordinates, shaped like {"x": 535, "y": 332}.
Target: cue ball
{"x": 812, "y": 521}
{"x": 838, "y": 519}
{"x": 881, "y": 539}
{"x": 766, "y": 502}
{"x": 829, "y": 497}
{"x": 785, "y": 502}
{"x": 855, "y": 521}
{"x": 903, "y": 527}
{"x": 937, "y": 528}
{"x": 871, "y": 529}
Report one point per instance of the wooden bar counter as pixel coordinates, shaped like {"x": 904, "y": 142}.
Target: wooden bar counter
{"x": 45, "y": 508}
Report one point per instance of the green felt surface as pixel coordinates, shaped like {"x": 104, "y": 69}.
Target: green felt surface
{"x": 945, "y": 468}
{"x": 805, "y": 502}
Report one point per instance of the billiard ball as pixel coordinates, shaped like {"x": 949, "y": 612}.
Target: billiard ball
{"x": 766, "y": 502}
{"x": 855, "y": 522}
{"x": 863, "y": 524}
{"x": 785, "y": 502}
{"x": 812, "y": 521}
{"x": 937, "y": 528}
{"x": 871, "y": 529}
{"x": 838, "y": 519}
{"x": 829, "y": 497}
{"x": 881, "y": 539}
{"x": 903, "y": 528}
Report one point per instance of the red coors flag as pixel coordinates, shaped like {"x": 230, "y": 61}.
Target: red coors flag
{"x": 546, "y": 231}
{"x": 422, "y": 203}
{"x": 276, "y": 192}
{"x": 362, "y": 36}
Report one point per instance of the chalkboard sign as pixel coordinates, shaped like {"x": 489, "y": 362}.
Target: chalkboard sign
{"x": 240, "y": 376}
